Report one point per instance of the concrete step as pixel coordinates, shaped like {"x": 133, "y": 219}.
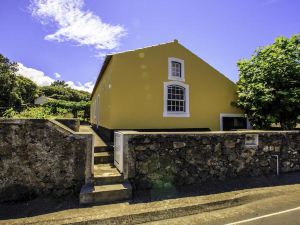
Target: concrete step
{"x": 107, "y": 174}
{"x": 100, "y": 148}
{"x": 103, "y": 157}
{"x": 103, "y": 148}
{"x": 90, "y": 194}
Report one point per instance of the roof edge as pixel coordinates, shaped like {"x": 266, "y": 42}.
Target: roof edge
{"x": 150, "y": 46}
{"x": 103, "y": 68}
{"x": 109, "y": 57}
{"x": 223, "y": 75}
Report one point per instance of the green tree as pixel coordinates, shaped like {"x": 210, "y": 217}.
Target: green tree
{"x": 15, "y": 91}
{"x": 9, "y": 96}
{"x": 59, "y": 83}
{"x": 17, "y": 94}
{"x": 27, "y": 90}
{"x": 269, "y": 84}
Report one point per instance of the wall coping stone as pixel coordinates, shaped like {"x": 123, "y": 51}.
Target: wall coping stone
{"x": 132, "y": 132}
{"x": 72, "y": 123}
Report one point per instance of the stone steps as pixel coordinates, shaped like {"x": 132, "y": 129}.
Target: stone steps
{"x": 108, "y": 185}
{"x": 101, "y": 148}
{"x": 91, "y": 194}
{"x": 107, "y": 174}
{"x": 103, "y": 157}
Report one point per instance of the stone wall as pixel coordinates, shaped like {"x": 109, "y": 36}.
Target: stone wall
{"x": 42, "y": 157}
{"x": 168, "y": 159}
{"x": 73, "y": 124}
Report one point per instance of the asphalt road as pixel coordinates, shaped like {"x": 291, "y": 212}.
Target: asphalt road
{"x": 275, "y": 218}
{"x": 281, "y": 209}
{"x": 287, "y": 217}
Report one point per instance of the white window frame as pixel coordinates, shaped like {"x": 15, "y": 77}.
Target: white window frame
{"x": 232, "y": 115}
{"x": 166, "y": 113}
{"x": 170, "y": 76}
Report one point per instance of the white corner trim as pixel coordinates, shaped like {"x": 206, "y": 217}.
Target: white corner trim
{"x": 181, "y": 61}
{"x": 232, "y": 115}
{"x": 187, "y": 100}
{"x": 98, "y": 110}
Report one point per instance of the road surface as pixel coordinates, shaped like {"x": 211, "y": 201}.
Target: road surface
{"x": 289, "y": 216}
{"x": 282, "y": 209}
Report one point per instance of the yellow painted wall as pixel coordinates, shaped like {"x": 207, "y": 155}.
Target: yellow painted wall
{"x": 104, "y": 91}
{"x": 136, "y": 96}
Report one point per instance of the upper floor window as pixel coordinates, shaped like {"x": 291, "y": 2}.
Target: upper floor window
{"x": 176, "y": 69}
{"x": 176, "y": 99}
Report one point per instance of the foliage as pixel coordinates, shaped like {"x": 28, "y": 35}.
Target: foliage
{"x": 59, "y": 83}
{"x": 15, "y": 90}
{"x": 9, "y": 113}
{"x": 67, "y": 99}
{"x": 65, "y": 93}
{"x": 18, "y": 93}
{"x": 269, "y": 84}
{"x": 78, "y": 109}
{"x": 27, "y": 90}
{"x": 40, "y": 112}
{"x": 8, "y": 85}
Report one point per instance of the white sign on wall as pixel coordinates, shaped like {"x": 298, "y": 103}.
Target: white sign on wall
{"x": 251, "y": 140}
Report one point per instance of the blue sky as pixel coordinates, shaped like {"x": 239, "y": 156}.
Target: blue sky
{"x": 66, "y": 39}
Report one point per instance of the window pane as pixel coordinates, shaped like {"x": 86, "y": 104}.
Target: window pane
{"x": 176, "y": 98}
{"x": 176, "y": 69}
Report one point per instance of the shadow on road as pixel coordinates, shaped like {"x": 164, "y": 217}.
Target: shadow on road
{"x": 37, "y": 206}
{"x": 41, "y": 206}
{"x": 215, "y": 187}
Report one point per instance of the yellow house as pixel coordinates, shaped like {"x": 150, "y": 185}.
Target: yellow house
{"x": 162, "y": 87}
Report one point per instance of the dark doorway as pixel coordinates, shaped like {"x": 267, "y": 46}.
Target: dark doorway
{"x": 234, "y": 123}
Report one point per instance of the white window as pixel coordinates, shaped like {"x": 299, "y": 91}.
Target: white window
{"x": 176, "y": 69}
{"x": 176, "y": 99}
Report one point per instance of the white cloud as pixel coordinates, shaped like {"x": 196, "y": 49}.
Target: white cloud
{"x": 35, "y": 75}
{"x": 100, "y": 55}
{"x": 57, "y": 75}
{"x": 41, "y": 79}
{"x": 76, "y": 24}
{"x": 88, "y": 86}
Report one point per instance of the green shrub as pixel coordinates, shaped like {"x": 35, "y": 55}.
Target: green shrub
{"x": 40, "y": 112}
{"x": 79, "y": 110}
{"x": 65, "y": 93}
{"x": 9, "y": 113}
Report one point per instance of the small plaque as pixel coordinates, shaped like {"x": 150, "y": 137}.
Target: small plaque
{"x": 251, "y": 140}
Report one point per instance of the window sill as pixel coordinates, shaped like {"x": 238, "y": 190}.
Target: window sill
{"x": 167, "y": 114}
{"x": 176, "y": 78}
